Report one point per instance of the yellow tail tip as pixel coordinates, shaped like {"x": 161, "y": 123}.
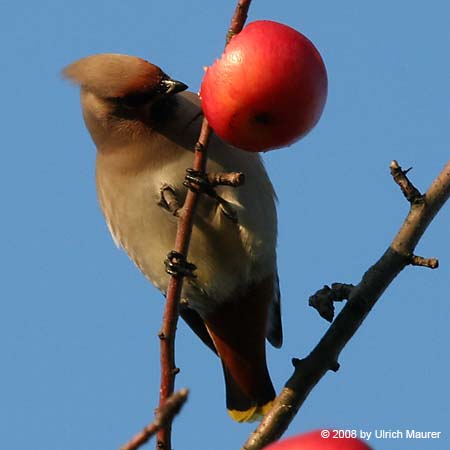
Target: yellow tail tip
{"x": 250, "y": 415}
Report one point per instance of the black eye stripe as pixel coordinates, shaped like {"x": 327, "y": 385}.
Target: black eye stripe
{"x": 134, "y": 100}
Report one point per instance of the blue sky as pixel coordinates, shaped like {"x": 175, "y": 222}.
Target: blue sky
{"x": 78, "y": 326}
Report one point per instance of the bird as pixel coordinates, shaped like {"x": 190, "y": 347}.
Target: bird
{"x": 144, "y": 125}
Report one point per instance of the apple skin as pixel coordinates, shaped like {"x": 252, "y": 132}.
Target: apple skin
{"x": 313, "y": 440}
{"x": 268, "y": 89}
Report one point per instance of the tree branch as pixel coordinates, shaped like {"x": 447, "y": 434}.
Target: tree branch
{"x": 362, "y": 298}
{"x": 184, "y": 230}
{"x": 170, "y": 409}
{"x": 238, "y": 19}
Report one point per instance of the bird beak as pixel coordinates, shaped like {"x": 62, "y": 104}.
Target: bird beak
{"x": 170, "y": 87}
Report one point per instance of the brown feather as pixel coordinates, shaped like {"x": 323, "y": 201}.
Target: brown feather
{"x": 111, "y": 75}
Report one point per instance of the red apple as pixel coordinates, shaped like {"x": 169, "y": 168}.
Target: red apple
{"x": 320, "y": 440}
{"x": 267, "y": 90}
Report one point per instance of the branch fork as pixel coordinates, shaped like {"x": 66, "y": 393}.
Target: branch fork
{"x": 163, "y": 414}
{"x": 411, "y": 193}
{"x": 417, "y": 201}
{"x": 323, "y": 300}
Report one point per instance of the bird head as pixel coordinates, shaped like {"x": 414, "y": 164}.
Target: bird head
{"x": 121, "y": 87}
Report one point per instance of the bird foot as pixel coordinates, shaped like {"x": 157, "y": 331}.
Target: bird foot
{"x": 197, "y": 181}
{"x": 205, "y": 183}
{"x": 177, "y": 265}
{"x": 169, "y": 200}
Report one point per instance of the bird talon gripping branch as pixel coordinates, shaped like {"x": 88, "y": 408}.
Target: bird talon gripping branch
{"x": 177, "y": 265}
{"x": 202, "y": 182}
{"x": 168, "y": 200}
{"x": 198, "y": 182}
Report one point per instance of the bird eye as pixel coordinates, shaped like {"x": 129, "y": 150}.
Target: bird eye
{"x": 134, "y": 100}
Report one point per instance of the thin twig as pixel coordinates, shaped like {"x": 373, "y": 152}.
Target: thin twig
{"x": 238, "y": 19}
{"x": 162, "y": 415}
{"x": 363, "y": 297}
{"x": 184, "y": 230}
{"x": 431, "y": 263}
{"x": 411, "y": 193}
{"x": 233, "y": 179}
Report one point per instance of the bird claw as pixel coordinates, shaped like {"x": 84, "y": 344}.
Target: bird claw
{"x": 177, "y": 265}
{"x": 202, "y": 182}
{"x": 169, "y": 200}
{"x": 227, "y": 210}
{"x": 198, "y": 181}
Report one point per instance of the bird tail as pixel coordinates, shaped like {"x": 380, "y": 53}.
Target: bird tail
{"x": 240, "y": 406}
{"x": 238, "y": 330}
